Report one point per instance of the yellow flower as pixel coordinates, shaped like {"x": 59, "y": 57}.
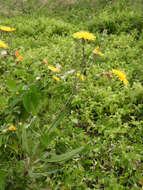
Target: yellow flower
{"x": 82, "y": 77}
{"x": 20, "y": 58}
{"x": 78, "y": 74}
{"x": 52, "y": 68}
{"x": 7, "y": 29}
{"x": 3, "y": 45}
{"x": 95, "y": 51}
{"x": 16, "y": 92}
{"x": 12, "y": 128}
{"x": 121, "y": 75}
{"x": 56, "y": 78}
{"x": 84, "y": 35}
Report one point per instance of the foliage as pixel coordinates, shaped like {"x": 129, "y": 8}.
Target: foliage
{"x": 103, "y": 115}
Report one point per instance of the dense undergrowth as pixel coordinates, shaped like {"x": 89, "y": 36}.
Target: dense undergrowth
{"x": 104, "y": 116}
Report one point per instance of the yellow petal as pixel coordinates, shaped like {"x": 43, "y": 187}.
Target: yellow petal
{"x": 12, "y": 128}
{"x": 82, "y": 77}
{"x": 52, "y": 68}
{"x": 78, "y": 74}
{"x": 56, "y": 78}
{"x": 3, "y": 45}
{"x": 7, "y": 29}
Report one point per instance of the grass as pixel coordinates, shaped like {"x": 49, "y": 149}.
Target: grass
{"x": 104, "y": 116}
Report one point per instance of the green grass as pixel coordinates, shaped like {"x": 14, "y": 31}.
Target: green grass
{"x": 104, "y": 116}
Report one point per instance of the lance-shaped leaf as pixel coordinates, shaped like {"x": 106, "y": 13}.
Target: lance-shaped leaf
{"x": 65, "y": 156}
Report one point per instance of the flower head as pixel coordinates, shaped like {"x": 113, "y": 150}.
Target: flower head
{"x": 80, "y": 75}
{"x": 44, "y": 61}
{"x": 56, "y": 78}
{"x": 52, "y": 68}
{"x": 95, "y": 51}
{"x": 3, "y": 45}
{"x": 19, "y": 58}
{"x": 7, "y": 29}
{"x": 16, "y": 53}
{"x": 12, "y": 128}
{"x": 121, "y": 75}
{"x": 84, "y": 35}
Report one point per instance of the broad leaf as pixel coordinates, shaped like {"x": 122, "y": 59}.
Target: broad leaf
{"x": 11, "y": 84}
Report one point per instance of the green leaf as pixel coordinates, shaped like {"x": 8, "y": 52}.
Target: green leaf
{"x": 56, "y": 122}
{"x": 65, "y": 156}
{"x": 0, "y": 141}
{"x": 3, "y": 101}
{"x": 11, "y": 84}
{"x": 2, "y": 180}
{"x": 46, "y": 139}
{"x": 31, "y": 101}
{"x": 25, "y": 140}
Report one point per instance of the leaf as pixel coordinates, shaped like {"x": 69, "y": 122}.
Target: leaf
{"x": 11, "y": 84}
{"x": 25, "y": 140}
{"x": 2, "y": 180}
{"x": 31, "y": 101}
{"x": 65, "y": 156}
{"x": 46, "y": 139}
{"x": 3, "y": 101}
{"x": 56, "y": 122}
{"x": 0, "y": 141}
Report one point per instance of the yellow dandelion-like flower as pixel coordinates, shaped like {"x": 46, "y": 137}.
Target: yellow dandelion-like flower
{"x": 56, "y": 78}
{"x": 3, "y": 45}
{"x": 82, "y": 77}
{"x": 19, "y": 58}
{"x": 78, "y": 74}
{"x": 121, "y": 75}
{"x": 12, "y": 128}
{"x": 95, "y": 51}
{"x": 84, "y": 35}
{"x": 7, "y": 29}
{"x": 52, "y": 68}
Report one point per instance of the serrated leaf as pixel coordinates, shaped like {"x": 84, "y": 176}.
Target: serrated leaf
{"x": 65, "y": 156}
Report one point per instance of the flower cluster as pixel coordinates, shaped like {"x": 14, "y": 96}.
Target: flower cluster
{"x": 80, "y": 75}
{"x": 5, "y": 29}
{"x": 17, "y": 54}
